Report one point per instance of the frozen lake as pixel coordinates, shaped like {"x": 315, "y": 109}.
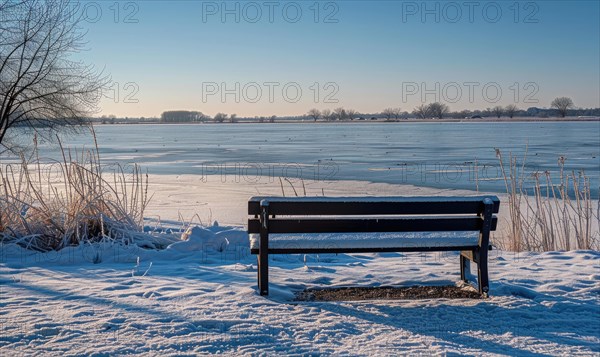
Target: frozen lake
{"x": 441, "y": 155}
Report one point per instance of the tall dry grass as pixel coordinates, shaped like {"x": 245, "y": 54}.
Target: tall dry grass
{"x": 552, "y": 216}
{"x": 51, "y": 205}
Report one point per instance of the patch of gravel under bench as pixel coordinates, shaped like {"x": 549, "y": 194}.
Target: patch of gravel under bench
{"x": 387, "y": 293}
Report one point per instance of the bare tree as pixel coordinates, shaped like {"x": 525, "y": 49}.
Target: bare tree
{"x": 463, "y": 114}
{"x": 220, "y": 117}
{"x": 397, "y": 113}
{"x": 438, "y": 110}
{"x": 388, "y": 113}
{"x": 562, "y": 104}
{"x": 203, "y": 117}
{"x": 351, "y": 114}
{"x": 498, "y": 111}
{"x": 339, "y": 113}
{"x": 326, "y": 114}
{"x": 233, "y": 118}
{"x": 510, "y": 110}
{"x": 314, "y": 113}
{"x": 41, "y": 87}
{"x": 422, "y": 111}
{"x": 272, "y": 118}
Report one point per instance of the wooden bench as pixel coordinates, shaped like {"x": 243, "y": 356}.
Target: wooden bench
{"x": 474, "y": 216}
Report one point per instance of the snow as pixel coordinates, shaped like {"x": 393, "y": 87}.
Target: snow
{"x": 204, "y": 198}
{"x": 199, "y": 294}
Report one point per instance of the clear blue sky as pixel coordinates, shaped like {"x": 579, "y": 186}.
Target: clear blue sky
{"x": 373, "y": 54}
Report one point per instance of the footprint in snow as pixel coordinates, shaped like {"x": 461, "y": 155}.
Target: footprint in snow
{"x": 355, "y": 264}
{"x": 48, "y": 331}
{"x": 84, "y": 313}
{"x": 112, "y": 324}
{"x": 322, "y": 280}
{"x": 151, "y": 294}
{"x": 318, "y": 268}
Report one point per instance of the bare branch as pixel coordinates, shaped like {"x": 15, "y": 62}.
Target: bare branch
{"x": 40, "y": 86}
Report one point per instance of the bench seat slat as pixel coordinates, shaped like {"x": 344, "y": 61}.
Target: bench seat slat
{"x": 371, "y": 205}
{"x": 335, "y": 250}
{"x": 336, "y": 242}
{"x": 359, "y": 225}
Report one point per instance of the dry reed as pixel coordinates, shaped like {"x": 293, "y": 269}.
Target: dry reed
{"x": 49, "y": 205}
{"x": 553, "y": 216}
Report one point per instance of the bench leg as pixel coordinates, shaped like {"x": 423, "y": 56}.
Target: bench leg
{"x": 484, "y": 243}
{"x": 465, "y": 265}
{"x": 263, "y": 252}
{"x": 263, "y": 273}
{"x": 482, "y": 272}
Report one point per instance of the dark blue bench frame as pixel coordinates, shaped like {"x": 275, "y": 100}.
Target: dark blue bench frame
{"x": 406, "y": 214}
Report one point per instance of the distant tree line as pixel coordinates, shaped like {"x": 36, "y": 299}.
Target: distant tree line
{"x": 332, "y": 115}
{"x": 559, "y": 107}
{"x": 182, "y": 116}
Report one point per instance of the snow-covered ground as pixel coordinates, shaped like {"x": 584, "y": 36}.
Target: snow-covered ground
{"x": 199, "y": 295}
{"x": 190, "y": 299}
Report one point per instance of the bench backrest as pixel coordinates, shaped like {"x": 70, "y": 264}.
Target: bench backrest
{"x": 388, "y": 214}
